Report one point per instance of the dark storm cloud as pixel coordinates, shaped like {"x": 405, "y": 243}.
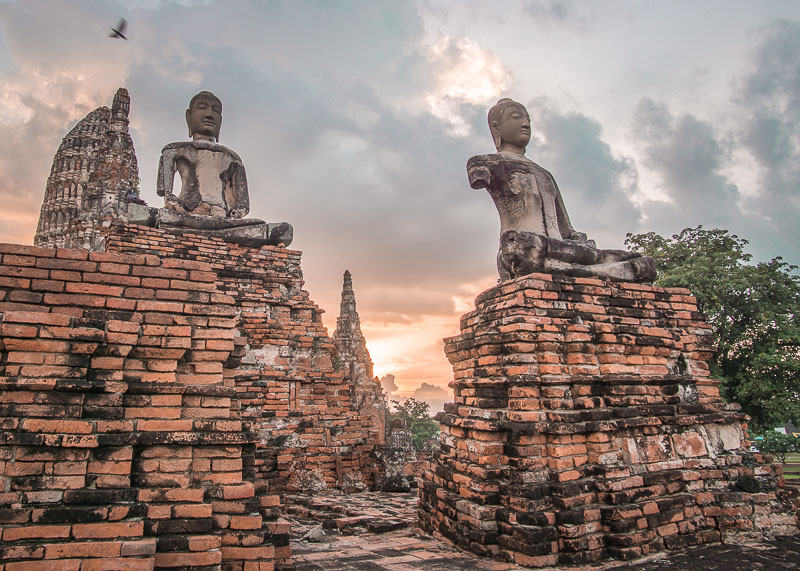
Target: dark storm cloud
{"x": 770, "y": 103}
{"x": 596, "y": 184}
{"x": 687, "y": 157}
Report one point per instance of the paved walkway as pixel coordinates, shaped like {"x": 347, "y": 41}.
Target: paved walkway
{"x": 374, "y": 531}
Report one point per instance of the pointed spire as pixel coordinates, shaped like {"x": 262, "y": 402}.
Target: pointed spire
{"x": 350, "y": 341}
{"x": 347, "y": 308}
{"x": 120, "y": 108}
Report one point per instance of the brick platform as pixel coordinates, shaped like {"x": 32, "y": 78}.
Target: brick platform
{"x": 119, "y": 444}
{"x": 156, "y": 399}
{"x": 287, "y": 389}
{"x": 586, "y": 426}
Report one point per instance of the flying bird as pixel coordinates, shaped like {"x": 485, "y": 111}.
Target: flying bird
{"x": 119, "y": 31}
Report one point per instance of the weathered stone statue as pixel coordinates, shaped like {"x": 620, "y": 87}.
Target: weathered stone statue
{"x": 212, "y": 175}
{"x": 536, "y": 234}
{"x": 214, "y": 198}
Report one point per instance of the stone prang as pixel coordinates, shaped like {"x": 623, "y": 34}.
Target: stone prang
{"x": 354, "y": 357}
{"x": 355, "y": 364}
{"x": 93, "y": 179}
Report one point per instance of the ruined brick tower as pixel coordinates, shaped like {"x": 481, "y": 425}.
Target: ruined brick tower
{"x": 354, "y": 357}
{"x": 93, "y": 177}
{"x": 355, "y": 364}
{"x": 586, "y": 425}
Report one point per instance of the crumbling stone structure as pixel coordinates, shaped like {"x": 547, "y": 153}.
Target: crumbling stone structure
{"x": 586, "y": 425}
{"x": 355, "y": 364}
{"x": 121, "y": 442}
{"x": 93, "y": 179}
{"x": 310, "y": 437}
{"x": 158, "y": 398}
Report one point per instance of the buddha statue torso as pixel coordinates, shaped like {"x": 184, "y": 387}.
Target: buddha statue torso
{"x": 526, "y": 195}
{"x": 212, "y": 176}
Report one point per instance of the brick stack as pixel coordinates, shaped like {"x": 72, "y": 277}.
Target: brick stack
{"x": 119, "y": 442}
{"x": 586, "y": 425}
{"x": 287, "y": 386}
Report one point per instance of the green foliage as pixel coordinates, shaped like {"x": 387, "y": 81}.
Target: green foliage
{"x": 416, "y": 415}
{"x": 752, "y": 310}
{"x": 778, "y": 444}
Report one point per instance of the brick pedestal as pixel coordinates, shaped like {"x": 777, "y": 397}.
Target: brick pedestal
{"x": 119, "y": 444}
{"x": 586, "y": 426}
{"x": 288, "y": 389}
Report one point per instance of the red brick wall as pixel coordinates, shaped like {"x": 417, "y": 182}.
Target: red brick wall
{"x": 119, "y": 435}
{"x": 310, "y": 434}
{"x": 586, "y": 425}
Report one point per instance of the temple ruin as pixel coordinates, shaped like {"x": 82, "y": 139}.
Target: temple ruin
{"x": 166, "y": 385}
{"x": 160, "y": 396}
{"x": 93, "y": 179}
{"x": 586, "y": 424}
{"x": 355, "y": 364}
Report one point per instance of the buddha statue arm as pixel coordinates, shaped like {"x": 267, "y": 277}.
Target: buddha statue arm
{"x": 161, "y": 184}
{"x": 241, "y": 194}
{"x": 478, "y": 172}
{"x": 564, "y": 225}
{"x": 166, "y": 172}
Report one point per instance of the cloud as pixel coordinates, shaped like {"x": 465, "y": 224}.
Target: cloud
{"x": 687, "y": 158}
{"x": 468, "y": 75}
{"x": 435, "y": 396}
{"x": 742, "y": 174}
{"x": 770, "y": 103}
{"x": 388, "y": 384}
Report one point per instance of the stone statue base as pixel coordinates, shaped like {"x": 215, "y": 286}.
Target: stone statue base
{"x": 249, "y": 231}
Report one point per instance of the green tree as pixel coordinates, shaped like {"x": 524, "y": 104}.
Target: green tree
{"x": 752, "y": 309}
{"x": 778, "y": 444}
{"x": 416, "y": 415}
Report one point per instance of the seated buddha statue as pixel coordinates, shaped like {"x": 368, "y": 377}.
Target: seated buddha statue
{"x": 536, "y": 234}
{"x": 214, "y": 198}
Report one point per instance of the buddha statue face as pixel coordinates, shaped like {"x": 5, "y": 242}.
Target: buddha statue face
{"x": 510, "y": 125}
{"x": 204, "y": 117}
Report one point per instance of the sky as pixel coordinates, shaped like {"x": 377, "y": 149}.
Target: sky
{"x": 355, "y": 119}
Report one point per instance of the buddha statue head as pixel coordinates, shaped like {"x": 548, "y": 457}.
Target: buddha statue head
{"x": 510, "y": 125}
{"x": 204, "y": 117}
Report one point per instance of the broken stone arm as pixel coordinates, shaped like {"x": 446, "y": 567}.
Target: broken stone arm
{"x": 166, "y": 178}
